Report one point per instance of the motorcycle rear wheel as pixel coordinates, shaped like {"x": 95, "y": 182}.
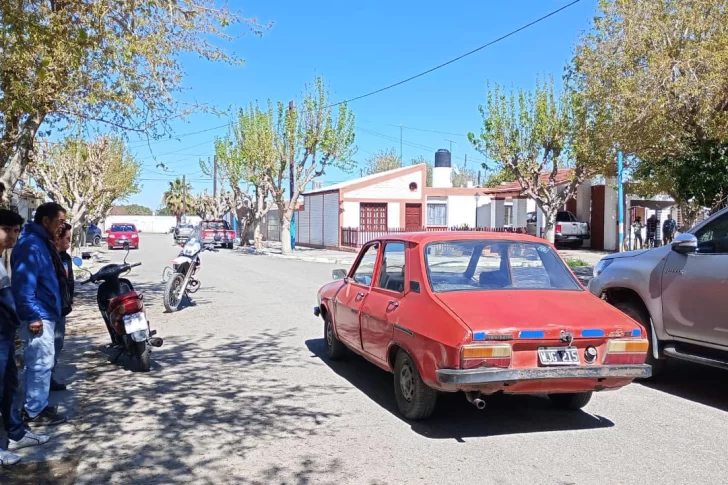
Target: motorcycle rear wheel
{"x": 171, "y": 290}
{"x": 143, "y": 355}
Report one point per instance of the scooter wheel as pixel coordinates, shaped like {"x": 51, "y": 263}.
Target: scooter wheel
{"x": 144, "y": 356}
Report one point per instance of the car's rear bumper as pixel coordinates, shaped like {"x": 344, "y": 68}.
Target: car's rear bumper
{"x": 470, "y": 377}
{"x": 571, "y": 237}
{"x": 223, "y": 240}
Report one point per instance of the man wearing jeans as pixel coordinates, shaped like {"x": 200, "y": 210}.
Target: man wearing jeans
{"x": 18, "y": 436}
{"x": 40, "y": 293}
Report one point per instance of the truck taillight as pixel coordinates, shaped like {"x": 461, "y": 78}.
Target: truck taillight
{"x": 626, "y": 352}
{"x": 558, "y": 227}
{"x": 498, "y": 355}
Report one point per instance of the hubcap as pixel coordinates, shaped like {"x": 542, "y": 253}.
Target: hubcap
{"x": 407, "y": 382}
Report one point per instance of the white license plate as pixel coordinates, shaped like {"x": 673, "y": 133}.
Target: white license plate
{"x": 558, "y": 355}
{"x": 135, "y": 322}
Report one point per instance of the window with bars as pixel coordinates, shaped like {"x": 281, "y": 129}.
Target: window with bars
{"x": 373, "y": 217}
{"x": 436, "y": 214}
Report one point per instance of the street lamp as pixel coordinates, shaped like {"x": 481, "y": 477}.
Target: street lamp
{"x": 477, "y": 198}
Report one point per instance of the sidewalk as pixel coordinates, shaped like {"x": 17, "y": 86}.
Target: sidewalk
{"x": 329, "y": 256}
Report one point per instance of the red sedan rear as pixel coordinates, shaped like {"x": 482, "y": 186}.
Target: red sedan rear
{"x": 122, "y": 233}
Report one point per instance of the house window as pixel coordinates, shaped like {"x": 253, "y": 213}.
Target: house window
{"x": 508, "y": 216}
{"x": 373, "y": 217}
{"x": 437, "y": 214}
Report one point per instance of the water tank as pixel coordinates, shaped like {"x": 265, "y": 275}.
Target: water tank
{"x": 442, "y": 158}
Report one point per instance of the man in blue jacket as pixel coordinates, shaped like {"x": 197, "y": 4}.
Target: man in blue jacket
{"x": 18, "y": 436}
{"x": 40, "y": 293}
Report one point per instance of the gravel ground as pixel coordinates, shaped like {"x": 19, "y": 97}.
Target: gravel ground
{"x": 241, "y": 393}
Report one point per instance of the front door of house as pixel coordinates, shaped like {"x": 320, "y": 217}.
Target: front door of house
{"x": 413, "y": 217}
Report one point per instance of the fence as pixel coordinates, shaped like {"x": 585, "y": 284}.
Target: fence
{"x": 355, "y": 237}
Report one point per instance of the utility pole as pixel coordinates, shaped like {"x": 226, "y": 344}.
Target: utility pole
{"x": 214, "y": 175}
{"x": 292, "y": 184}
{"x": 620, "y": 200}
{"x": 400, "y": 143}
{"x": 466, "y": 161}
{"x": 184, "y": 195}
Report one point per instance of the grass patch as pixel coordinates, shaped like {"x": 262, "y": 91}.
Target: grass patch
{"x": 576, "y": 263}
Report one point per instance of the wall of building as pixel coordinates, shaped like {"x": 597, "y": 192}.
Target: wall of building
{"x": 148, "y": 224}
{"x": 393, "y": 219}
{"x": 351, "y": 213}
{"x": 331, "y": 219}
{"x": 394, "y": 188}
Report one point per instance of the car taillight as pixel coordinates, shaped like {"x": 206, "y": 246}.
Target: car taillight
{"x": 621, "y": 352}
{"x": 558, "y": 227}
{"x": 498, "y": 355}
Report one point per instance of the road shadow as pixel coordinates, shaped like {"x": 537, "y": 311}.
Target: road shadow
{"x": 697, "y": 383}
{"x": 584, "y": 273}
{"x": 152, "y": 427}
{"x": 454, "y": 417}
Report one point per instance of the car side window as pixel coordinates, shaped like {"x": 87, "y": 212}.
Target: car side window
{"x": 364, "y": 272}
{"x": 713, "y": 237}
{"x": 391, "y": 272}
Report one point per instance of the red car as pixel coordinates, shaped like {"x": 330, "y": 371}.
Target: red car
{"x": 120, "y": 233}
{"x": 217, "y": 232}
{"x": 482, "y": 313}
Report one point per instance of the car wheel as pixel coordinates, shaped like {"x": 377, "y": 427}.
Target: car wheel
{"x": 637, "y": 313}
{"x": 335, "y": 350}
{"x": 572, "y": 401}
{"x": 97, "y": 241}
{"x": 415, "y": 399}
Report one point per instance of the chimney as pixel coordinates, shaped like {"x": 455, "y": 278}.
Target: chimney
{"x": 442, "y": 173}
{"x": 469, "y": 184}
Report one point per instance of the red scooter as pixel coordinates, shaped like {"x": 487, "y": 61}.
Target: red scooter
{"x": 123, "y": 311}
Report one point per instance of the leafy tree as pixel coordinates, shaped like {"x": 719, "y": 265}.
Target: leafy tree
{"x": 528, "y": 134}
{"x": 382, "y": 161}
{"x": 462, "y": 175}
{"x": 657, "y": 72}
{"x": 86, "y": 177}
{"x": 311, "y": 137}
{"x": 497, "y": 178}
{"x": 164, "y": 211}
{"x": 113, "y": 64}
{"x": 421, "y": 159}
{"x": 177, "y": 198}
{"x": 209, "y": 207}
{"x": 133, "y": 210}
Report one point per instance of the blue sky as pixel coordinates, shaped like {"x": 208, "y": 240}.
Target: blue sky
{"x": 357, "y": 50}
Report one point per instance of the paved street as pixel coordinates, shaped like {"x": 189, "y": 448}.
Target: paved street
{"x": 241, "y": 393}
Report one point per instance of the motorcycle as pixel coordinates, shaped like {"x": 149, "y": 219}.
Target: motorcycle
{"x": 123, "y": 311}
{"x": 180, "y": 278}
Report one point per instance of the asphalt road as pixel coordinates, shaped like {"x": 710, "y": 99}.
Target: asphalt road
{"x": 241, "y": 393}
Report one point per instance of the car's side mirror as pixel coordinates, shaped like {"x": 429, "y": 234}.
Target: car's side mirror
{"x": 338, "y": 274}
{"x": 684, "y": 244}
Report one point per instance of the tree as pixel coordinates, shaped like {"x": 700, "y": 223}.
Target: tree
{"x": 497, "y": 178}
{"x": 248, "y": 155}
{"x": 210, "y": 207}
{"x": 528, "y": 134}
{"x": 462, "y": 175}
{"x": 86, "y": 177}
{"x": 419, "y": 160}
{"x": 657, "y": 72}
{"x": 114, "y": 64}
{"x": 382, "y": 161}
{"x": 132, "y": 210}
{"x": 311, "y": 138}
{"x": 177, "y": 198}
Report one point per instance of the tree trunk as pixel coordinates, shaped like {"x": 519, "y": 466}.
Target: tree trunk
{"x": 286, "y": 236}
{"x": 550, "y": 229}
{"x": 257, "y": 235}
{"x": 13, "y": 169}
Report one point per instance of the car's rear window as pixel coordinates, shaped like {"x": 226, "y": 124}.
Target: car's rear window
{"x": 123, "y": 228}
{"x": 471, "y": 264}
{"x": 215, "y": 225}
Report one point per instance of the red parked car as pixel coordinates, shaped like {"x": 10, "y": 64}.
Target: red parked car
{"x": 482, "y": 313}
{"x": 120, "y": 233}
{"x": 217, "y": 232}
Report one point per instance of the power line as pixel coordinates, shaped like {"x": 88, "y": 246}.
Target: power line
{"x": 143, "y": 144}
{"x": 495, "y": 41}
{"x": 414, "y": 129}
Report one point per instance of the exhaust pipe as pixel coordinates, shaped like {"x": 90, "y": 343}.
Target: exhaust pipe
{"x": 156, "y": 342}
{"x": 474, "y": 399}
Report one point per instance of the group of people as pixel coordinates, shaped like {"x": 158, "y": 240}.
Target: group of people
{"x": 34, "y": 301}
{"x": 669, "y": 226}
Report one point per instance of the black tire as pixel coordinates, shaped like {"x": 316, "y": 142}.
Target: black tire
{"x": 576, "y": 245}
{"x": 171, "y": 304}
{"x": 143, "y": 355}
{"x": 335, "y": 350}
{"x": 96, "y": 241}
{"x": 229, "y": 245}
{"x": 415, "y": 399}
{"x": 572, "y": 401}
{"x": 638, "y": 313}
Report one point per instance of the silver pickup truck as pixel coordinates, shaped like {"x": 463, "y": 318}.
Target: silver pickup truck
{"x": 568, "y": 231}
{"x": 679, "y": 292}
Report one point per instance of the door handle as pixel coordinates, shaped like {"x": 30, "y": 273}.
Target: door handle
{"x": 359, "y": 297}
{"x": 392, "y": 306}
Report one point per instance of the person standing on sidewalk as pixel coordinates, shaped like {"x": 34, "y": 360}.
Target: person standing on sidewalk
{"x": 18, "y": 436}
{"x": 668, "y": 230}
{"x": 40, "y": 293}
{"x": 63, "y": 244}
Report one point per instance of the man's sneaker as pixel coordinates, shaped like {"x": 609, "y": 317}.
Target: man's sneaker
{"x": 57, "y": 386}
{"x": 30, "y": 439}
{"x": 48, "y": 417}
{"x": 8, "y": 459}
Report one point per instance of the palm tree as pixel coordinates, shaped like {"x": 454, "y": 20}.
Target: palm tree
{"x": 174, "y": 198}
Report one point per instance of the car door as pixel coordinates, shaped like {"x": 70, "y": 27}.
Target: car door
{"x": 381, "y": 308}
{"x": 695, "y": 286}
{"x": 349, "y": 299}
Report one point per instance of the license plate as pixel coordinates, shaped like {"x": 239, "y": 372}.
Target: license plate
{"x": 135, "y": 322}
{"x": 558, "y": 355}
